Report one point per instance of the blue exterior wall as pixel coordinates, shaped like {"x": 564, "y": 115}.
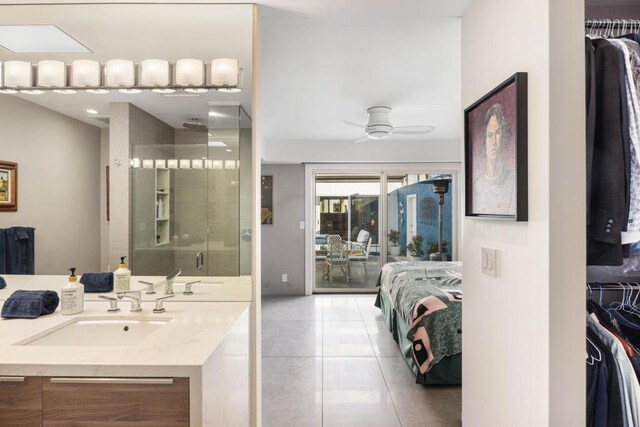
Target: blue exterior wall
{"x": 427, "y": 212}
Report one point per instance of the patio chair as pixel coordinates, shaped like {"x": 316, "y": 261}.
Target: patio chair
{"x": 359, "y": 256}
{"x": 337, "y": 256}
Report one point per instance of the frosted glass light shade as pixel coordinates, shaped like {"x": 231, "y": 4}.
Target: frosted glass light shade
{"x": 51, "y": 74}
{"x": 216, "y": 164}
{"x": 189, "y": 72}
{"x": 154, "y": 72}
{"x": 224, "y": 72}
{"x": 85, "y": 73}
{"x": 161, "y": 164}
{"x": 185, "y": 164}
{"x": 17, "y": 74}
{"x": 172, "y": 164}
{"x": 120, "y": 72}
{"x": 236, "y": 88}
{"x": 197, "y": 163}
{"x": 229, "y": 164}
{"x": 147, "y": 164}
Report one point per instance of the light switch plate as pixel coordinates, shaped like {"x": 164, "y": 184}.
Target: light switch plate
{"x": 489, "y": 262}
{"x": 301, "y": 225}
{"x": 284, "y": 278}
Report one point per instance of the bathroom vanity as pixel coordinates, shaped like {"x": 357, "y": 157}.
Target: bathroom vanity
{"x": 187, "y": 366}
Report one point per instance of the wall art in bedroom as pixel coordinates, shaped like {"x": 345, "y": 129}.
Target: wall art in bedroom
{"x": 495, "y": 147}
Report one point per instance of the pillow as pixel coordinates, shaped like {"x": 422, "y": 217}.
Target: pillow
{"x": 363, "y": 236}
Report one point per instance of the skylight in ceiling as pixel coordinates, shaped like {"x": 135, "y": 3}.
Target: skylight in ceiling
{"x": 38, "y": 39}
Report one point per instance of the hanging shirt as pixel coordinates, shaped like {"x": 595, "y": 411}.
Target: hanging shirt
{"x": 628, "y": 383}
{"x": 632, "y": 67}
{"x": 598, "y": 383}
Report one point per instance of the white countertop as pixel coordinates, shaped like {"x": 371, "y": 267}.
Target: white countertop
{"x": 237, "y": 288}
{"x": 197, "y": 325}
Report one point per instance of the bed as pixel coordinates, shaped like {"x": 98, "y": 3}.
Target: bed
{"x": 421, "y": 303}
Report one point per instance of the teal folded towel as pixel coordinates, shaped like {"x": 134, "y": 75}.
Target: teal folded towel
{"x": 97, "y": 282}
{"x": 30, "y": 304}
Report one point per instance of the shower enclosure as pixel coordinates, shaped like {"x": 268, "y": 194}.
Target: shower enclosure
{"x": 191, "y": 199}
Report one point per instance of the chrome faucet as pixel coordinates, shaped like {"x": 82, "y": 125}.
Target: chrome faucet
{"x": 168, "y": 284}
{"x": 113, "y": 303}
{"x": 188, "y": 286}
{"x": 135, "y": 297}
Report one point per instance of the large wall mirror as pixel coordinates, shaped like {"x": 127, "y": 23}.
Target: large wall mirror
{"x": 162, "y": 177}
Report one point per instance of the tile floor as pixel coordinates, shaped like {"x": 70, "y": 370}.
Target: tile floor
{"x": 328, "y": 360}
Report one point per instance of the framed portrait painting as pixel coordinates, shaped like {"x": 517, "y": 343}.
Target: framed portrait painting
{"x": 8, "y": 186}
{"x": 495, "y": 149}
{"x": 266, "y": 213}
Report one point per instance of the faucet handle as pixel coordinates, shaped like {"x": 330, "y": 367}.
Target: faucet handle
{"x": 149, "y": 287}
{"x": 159, "y": 307}
{"x": 113, "y": 303}
{"x": 188, "y": 286}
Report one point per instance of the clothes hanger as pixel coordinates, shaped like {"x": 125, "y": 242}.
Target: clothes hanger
{"x": 591, "y": 360}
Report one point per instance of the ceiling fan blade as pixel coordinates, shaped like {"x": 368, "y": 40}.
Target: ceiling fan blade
{"x": 346, "y": 122}
{"x": 413, "y": 130}
{"x": 361, "y": 140}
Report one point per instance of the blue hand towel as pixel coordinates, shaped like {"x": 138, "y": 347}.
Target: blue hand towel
{"x": 3, "y": 283}
{"x": 30, "y": 304}
{"x": 97, "y": 282}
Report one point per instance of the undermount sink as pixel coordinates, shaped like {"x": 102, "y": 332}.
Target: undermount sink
{"x": 98, "y": 332}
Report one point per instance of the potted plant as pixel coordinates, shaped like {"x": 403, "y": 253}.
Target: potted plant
{"x": 394, "y": 237}
{"x": 432, "y": 250}
{"x": 416, "y": 253}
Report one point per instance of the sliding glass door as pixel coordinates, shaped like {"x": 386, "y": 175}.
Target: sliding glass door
{"x": 364, "y": 218}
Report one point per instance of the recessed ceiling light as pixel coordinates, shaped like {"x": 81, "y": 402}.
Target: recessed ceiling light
{"x": 228, "y": 150}
{"x": 90, "y": 111}
{"x": 217, "y": 144}
{"x": 38, "y": 39}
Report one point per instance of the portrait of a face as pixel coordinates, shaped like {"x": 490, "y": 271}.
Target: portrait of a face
{"x": 493, "y": 154}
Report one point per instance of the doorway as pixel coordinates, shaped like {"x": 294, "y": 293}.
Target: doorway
{"x": 355, "y": 231}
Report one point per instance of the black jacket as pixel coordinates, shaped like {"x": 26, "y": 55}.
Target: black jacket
{"x": 608, "y": 145}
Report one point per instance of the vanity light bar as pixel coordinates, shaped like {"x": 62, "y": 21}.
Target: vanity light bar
{"x": 156, "y": 75}
{"x": 137, "y": 163}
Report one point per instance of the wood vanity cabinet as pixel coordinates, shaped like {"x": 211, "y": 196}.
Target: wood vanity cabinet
{"x": 20, "y": 401}
{"x": 69, "y": 401}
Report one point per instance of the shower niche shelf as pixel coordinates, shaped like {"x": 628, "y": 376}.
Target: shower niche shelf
{"x": 163, "y": 206}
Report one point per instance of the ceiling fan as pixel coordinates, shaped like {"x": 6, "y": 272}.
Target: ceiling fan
{"x": 379, "y": 126}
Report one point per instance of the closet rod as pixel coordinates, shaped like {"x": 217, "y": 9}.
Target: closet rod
{"x": 618, "y": 286}
{"x": 616, "y": 24}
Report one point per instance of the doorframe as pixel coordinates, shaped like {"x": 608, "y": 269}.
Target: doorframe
{"x": 384, "y": 169}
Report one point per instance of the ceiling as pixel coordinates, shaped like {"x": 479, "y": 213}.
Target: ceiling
{"x": 321, "y": 62}
{"x": 138, "y": 32}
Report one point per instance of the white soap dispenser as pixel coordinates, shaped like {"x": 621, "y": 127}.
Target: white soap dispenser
{"x": 72, "y": 295}
{"x": 121, "y": 277}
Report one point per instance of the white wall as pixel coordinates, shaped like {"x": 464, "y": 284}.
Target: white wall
{"x": 58, "y": 183}
{"x": 523, "y": 335}
{"x": 283, "y": 241}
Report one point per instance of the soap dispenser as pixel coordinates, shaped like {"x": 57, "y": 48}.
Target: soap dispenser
{"x": 121, "y": 277}
{"x": 72, "y": 295}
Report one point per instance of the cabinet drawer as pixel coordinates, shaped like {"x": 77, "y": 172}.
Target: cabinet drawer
{"x": 20, "y": 401}
{"x": 115, "y": 402}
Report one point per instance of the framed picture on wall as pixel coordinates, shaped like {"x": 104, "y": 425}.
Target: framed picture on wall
{"x": 495, "y": 145}
{"x": 266, "y": 195}
{"x": 8, "y": 186}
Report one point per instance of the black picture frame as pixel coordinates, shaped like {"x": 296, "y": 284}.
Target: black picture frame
{"x": 496, "y": 172}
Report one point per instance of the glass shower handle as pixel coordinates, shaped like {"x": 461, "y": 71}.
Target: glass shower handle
{"x": 200, "y": 260}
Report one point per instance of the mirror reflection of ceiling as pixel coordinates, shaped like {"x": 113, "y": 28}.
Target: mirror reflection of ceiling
{"x": 137, "y": 32}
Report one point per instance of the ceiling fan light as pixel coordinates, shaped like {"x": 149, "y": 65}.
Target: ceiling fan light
{"x": 85, "y": 73}
{"x": 18, "y": 74}
{"x": 51, "y": 74}
{"x": 189, "y": 72}
{"x": 378, "y": 134}
{"x": 120, "y": 72}
{"x": 154, "y": 72}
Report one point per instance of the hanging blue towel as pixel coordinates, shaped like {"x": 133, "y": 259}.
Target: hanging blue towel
{"x": 30, "y": 304}
{"x": 97, "y": 282}
{"x": 17, "y": 250}
{"x": 3, "y": 283}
